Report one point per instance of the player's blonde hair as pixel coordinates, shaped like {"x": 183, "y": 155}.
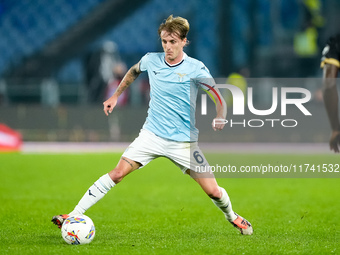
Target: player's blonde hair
{"x": 177, "y": 25}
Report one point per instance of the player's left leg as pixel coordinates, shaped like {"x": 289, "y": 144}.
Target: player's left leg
{"x": 220, "y": 198}
{"x": 189, "y": 156}
{"x": 217, "y": 194}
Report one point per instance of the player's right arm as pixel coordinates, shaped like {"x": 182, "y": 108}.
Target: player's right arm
{"x": 129, "y": 78}
{"x": 330, "y": 95}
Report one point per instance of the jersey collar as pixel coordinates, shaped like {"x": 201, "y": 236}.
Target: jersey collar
{"x": 169, "y": 65}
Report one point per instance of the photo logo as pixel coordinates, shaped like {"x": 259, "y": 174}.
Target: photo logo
{"x": 239, "y": 105}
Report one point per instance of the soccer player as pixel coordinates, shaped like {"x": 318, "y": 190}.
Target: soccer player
{"x": 169, "y": 129}
{"x": 330, "y": 63}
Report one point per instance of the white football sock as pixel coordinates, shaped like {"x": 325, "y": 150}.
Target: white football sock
{"x": 225, "y": 205}
{"x": 96, "y": 192}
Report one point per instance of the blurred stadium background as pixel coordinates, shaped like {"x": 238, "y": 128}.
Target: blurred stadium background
{"x": 53, "y": 53}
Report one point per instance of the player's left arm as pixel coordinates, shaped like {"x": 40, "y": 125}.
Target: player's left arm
{"x": 219, "y": 122}
{"x": 221, "y": 111}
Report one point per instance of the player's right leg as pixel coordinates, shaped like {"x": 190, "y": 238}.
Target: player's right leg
{"x": 99, "y": 189}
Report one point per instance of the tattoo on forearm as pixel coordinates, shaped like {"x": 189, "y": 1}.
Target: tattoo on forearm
{"x": 129, "y": 78}
{"x": 127, "y": 161}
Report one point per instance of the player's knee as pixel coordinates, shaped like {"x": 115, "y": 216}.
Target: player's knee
{"x": 117, "y": 175}
{"x": 214, "y": 193}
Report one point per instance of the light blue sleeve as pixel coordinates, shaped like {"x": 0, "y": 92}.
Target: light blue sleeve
{"x": 204, "y": 78}
{"x": 203, "y": 71}
{"x": 143, "y": 64}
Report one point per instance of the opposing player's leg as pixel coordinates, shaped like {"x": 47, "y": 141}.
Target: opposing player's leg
{"x": 220, "y": 198}
{"x": 99, "y": 189}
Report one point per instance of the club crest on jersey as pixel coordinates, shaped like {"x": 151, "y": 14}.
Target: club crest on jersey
{"x": 181, "y": 76}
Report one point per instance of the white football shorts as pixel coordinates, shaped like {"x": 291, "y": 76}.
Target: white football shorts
{"x": 148, "y": 146}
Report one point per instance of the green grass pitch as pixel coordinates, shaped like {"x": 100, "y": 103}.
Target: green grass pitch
{"x": 158, "y": 210}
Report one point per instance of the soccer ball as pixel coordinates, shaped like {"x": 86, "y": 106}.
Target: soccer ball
{"x": 78, "y": 230}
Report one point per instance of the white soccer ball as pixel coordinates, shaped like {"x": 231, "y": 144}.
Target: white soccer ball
{"x": 78, "y": 230}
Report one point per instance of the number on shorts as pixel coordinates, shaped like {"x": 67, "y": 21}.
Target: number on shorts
{"x": 199, "y": 159}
